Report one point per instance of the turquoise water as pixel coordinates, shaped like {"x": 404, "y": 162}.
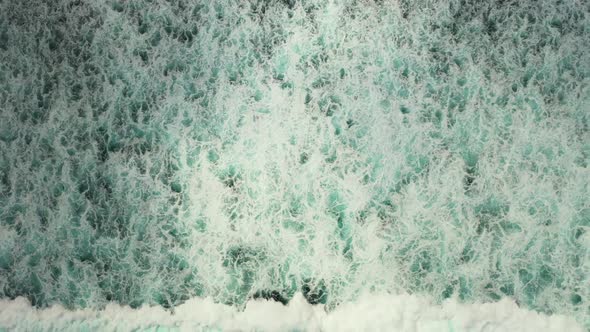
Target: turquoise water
{"x": 154, "y": 151}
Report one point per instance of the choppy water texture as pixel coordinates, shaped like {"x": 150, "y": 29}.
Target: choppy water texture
{"x": 152, "y": 151}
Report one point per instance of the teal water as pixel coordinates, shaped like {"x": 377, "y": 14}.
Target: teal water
{"x": 153, "y": 151}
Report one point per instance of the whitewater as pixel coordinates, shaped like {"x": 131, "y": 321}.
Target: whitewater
{"x": 295, "y": 165}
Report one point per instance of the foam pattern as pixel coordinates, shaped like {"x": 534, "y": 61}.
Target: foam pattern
{"x": 376, "y": 312}
{"x": 154, "y": 151}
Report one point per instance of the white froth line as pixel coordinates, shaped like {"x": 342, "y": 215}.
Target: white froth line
{"x": 369, "y": 313}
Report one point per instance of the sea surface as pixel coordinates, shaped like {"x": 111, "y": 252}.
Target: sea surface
{"x": 154, "y": 151}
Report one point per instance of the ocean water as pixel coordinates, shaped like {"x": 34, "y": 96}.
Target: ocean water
{"x": 153, "y": 152}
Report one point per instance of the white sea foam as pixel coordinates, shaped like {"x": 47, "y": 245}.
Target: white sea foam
{"x": 370, "y": 313}
{"x": 157, "y": 151}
